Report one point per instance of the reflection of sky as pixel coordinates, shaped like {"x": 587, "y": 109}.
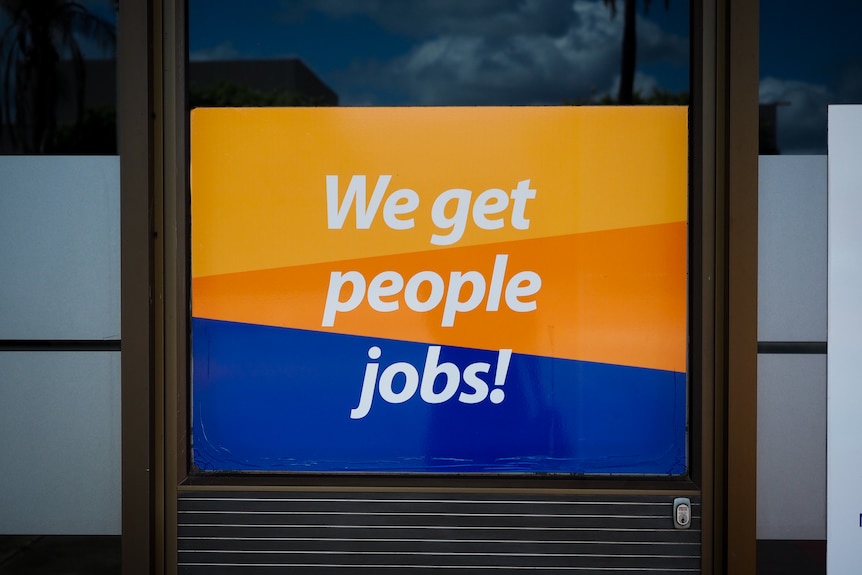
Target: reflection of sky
{"x": 449, "y": 51}
{"x": 810, "y": 56}
{"x": 527, "y": 51}
{"x": 532, "y": 52}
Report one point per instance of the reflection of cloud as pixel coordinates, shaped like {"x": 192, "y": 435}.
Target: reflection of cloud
{"x": 644, "y": 85}
{"x": 802, "y": 122}
{"x": 509, "y": 53}
{"x": 421, "y": 18}
{"x": 223, "y": 51}
{"x": 655, "y": 45}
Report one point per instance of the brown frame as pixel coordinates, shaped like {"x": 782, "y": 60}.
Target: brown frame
{"x": 135, "y": 123}
{"x": 153, "y": 127}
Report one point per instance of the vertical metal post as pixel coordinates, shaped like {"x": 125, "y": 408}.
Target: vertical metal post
{"x": 174, "y": 284}
{"x": 703, "y": 366}
{"x": 741, "y": 335}
{"x": 135, "y": 111}
{"x": 724, "y": 283}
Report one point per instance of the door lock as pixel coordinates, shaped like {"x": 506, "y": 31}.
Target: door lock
{"x": 682, "y": 513}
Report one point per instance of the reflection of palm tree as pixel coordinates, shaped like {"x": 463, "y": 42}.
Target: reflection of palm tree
{"x": 629, "y": 53}
{"x": 38, "y": 33}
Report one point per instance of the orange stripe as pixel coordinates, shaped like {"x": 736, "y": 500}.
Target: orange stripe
{"x": 613, "y": 297}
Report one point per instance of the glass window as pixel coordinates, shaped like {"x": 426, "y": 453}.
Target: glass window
{"x": 60, "y": 293}
{"x": 439, "y": 252}
{"x": 808, "y": 59}
{"x": 58, "y": 77}
{"x": 435, "y": 53}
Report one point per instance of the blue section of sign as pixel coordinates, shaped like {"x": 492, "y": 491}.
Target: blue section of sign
{"x": 276, "y": 399}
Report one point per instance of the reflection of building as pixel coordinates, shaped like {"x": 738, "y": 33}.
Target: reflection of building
{"x": 288, "y": 77}
{"x": 769, "y": 128}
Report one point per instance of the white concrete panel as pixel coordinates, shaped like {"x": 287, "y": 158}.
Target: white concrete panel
{"x": 60, "y": 247}
{"x": 844, "y": 448}
{"x": 791, "y": 447}
{"x": 791, "y": 300}
{"x": 60, "y": 443}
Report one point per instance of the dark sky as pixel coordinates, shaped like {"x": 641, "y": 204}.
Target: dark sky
{"x": 810, "y": 56}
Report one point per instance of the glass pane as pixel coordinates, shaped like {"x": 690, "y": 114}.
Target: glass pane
{"x": 810, "y": 57}
{"x": 60, "y": 255}
{"x": 445, "y": 268}
{"x": 58, "y": 77}
{"x": 434, "y": 52}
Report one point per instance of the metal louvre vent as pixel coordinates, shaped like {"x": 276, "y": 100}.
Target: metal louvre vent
{"x": 394, "y": 532}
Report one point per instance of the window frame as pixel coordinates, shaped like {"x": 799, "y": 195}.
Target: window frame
{"x": 722, "y": 350}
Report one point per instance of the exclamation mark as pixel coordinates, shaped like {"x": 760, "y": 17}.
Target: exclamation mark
{"x": 498, "y": 395}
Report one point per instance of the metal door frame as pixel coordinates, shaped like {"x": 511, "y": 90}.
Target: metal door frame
{"x": 723, "y": 289}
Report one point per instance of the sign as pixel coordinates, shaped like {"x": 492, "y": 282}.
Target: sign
{"x": 843, "y": 426}
{"x": 439, "y": 289}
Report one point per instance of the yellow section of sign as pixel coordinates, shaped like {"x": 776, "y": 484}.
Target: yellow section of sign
{"x": 271, "y": 187}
